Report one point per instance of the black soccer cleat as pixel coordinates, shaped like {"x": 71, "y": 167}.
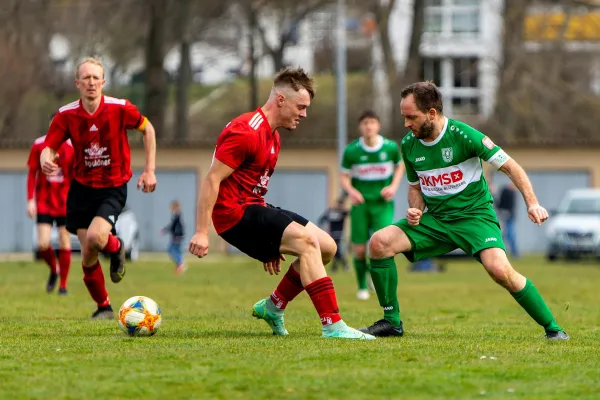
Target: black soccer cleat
{"x": 51, "y": 282}
{"x": 63, "y": 291}
{"x": 105, "y": 312}
{"x": 384, "y": 328}
{"x": 557, "y": 335}
{"x": 117, "y": 264}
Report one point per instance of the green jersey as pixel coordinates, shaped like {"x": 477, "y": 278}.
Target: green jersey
{"x": 371, "y": 168}
{"x": 449, "y": 169}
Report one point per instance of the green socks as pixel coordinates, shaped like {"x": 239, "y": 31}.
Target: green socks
{"x": 361, "y": 269}
{"x": 530, "y": 299}
{"x": 385, "y": 280}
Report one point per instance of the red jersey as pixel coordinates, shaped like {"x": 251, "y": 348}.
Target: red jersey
{"x": 102, "y": 153}
{"x": 251, "y": 148}
{"x": 50, "y": 191}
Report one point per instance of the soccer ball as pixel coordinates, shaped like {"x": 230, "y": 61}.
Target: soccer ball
{"x": 140, "y": 316}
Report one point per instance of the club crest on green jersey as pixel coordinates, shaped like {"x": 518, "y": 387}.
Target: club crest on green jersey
{"x": 447, "y": 155}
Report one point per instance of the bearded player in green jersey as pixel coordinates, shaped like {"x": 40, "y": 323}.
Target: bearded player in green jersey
{"x": 371, "y": 173}
{"x": 450, "y": 206}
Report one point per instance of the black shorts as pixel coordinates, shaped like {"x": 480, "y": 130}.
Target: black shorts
{"x": 50, "y": 219}
{"x": 259, "y": 232}
{"x": 84, "y": 203}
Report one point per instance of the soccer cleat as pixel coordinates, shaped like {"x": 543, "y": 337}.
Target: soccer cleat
{"x": 62, "y": 291}
{"x": 105, "y": 312}
{"x": 340, "y": 330}
{"x": 383, "y": 328}
{"x": 557, "y": 335}
{"x": 363, "y": 294}
{"x": 51, "y": 282}
{"x": 275, "y": 320}
{"x": 117, "y": 264}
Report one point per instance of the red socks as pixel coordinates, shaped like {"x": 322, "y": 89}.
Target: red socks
{"x": 64, "y": 260}
{"x": 289, "y": 287}
{"x": 322, "y": 294}
{"x": 48, "y": 256}
{"x": 93, "y": 277}
{"x": 113, "y": 245}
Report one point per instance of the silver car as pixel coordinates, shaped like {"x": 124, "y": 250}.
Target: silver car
{"x": 574, "y": 229}
{"x": 127, "y": 229}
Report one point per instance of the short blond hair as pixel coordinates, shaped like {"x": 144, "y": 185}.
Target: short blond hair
{"x": 88, "y": 60}
{"x": 295, "y": 78}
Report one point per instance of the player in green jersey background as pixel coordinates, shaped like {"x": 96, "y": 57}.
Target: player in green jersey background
{"x": 371, "y": 172}
{"x": 450, "y": 206}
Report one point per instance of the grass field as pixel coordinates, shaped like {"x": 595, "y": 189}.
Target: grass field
{"x": 209, "y": 346}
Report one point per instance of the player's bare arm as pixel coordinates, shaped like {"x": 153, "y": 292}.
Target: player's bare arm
{"x": 389, "y": 191}
{"x": 147, "y": 180}
{"x": 518, "y": 176}
{"x": 207, "y": 197}
{"x": 355, "y": 196}
{"x": 416, "y": 204}
{"x": 48, "y": 161}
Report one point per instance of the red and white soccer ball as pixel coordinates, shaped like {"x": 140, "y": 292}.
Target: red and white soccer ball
{"x": 140, "y": 316}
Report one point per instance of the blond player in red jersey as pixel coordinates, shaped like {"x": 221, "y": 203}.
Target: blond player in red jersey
{"x": 47, "y": 204}
{"x": 97, "y": 126}
{"x": 233, "y": 193}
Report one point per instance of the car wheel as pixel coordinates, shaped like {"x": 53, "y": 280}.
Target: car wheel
{"x": 551, "y": 257}
{"x": 134, "y": 252}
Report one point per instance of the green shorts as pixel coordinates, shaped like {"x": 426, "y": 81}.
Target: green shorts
{"x": 369, "y": 217}
{"x": 472, "y": 233}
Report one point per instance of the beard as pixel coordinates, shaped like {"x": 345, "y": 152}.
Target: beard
{"x": 425, "y": 131}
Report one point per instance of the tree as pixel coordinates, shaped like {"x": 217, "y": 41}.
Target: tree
{"x": 544, "y": 93}
{"x": 395, "y": 76}
{"x": 287, "y": 16}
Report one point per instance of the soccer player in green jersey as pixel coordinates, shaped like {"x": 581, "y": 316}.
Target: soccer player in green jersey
{"x": 371, "y": 173}
{"x": 450, "y": 206}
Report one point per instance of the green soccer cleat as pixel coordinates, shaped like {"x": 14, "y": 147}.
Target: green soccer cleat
{"x": 342, "y": 331}
{"x": 274, "y": 319}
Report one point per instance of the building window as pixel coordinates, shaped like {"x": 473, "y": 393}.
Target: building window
{"x": 463, "y": 105}
{"x": 465, "y": 72}
{"x": 432, "y": 70}
{"x": 458, "y": 79}
{"x": 452, "y": 17}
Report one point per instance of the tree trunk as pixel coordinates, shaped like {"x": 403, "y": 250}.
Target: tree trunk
{"x": 184, "y": 75}
{"x": 182, "y": 100}
{"x": 156, "y": 80}
{"x": 277, "y": 56}
{"x": 252, "y": 78}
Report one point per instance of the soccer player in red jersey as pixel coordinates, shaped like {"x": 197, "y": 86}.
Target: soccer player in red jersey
{"x": 47, "y": 203}
{"x": 232, "y": 192}
{"x": 97, "y": 127}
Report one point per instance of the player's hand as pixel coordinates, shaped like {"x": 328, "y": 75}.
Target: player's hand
{"x": 413, "y": 216}
{"x": 147, "y": 182}
{"x": 199, "y": 245}
{"x": 49, "y": 166}
{"x": 537, "y": 214}
{"x": 274, "y": 267}
{"x": 31, "y": 209}
{"x": 388, "y": 192}
{"x": 356, "y": 198}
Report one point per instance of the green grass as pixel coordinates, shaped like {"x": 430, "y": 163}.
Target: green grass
{"x": 210, "y": 347}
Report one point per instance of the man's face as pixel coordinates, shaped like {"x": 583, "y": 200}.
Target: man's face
{"x": 292, "y": 107}
{"x": 420, "y": 123}
{"x": 90, "y": 81}
{"x": 369, "y": 127}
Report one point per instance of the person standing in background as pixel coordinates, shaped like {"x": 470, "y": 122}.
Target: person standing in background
{"x": 335, "y": 218}
{"x": 506, "y": 211}
{"x": 176, "y": 230}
